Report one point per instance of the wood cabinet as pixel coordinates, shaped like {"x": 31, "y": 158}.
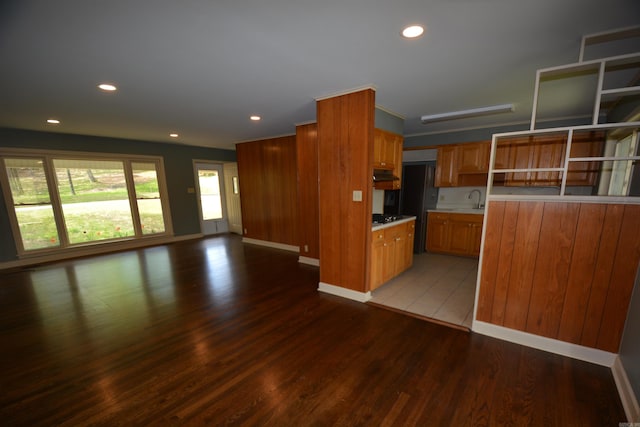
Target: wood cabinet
{"x": 473, "y": 157}
{"x": 462, "y": 164}
{"x": 447, "y": 167}
{"x": 454, "y": 233}
{"x": 391, "y": 252}
{"x": 387, "y": 155}
{"x": 548, "y": 151}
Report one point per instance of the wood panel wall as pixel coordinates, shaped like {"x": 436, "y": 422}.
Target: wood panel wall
{"x": 345, "y": 153}
{"x": 308, "y": 209}
{"x": 560, "y": 270}
{"x": 268, "y": 189}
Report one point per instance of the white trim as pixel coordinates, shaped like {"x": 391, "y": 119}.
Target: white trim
{"x": 627, "y": 396}
{"x": 599, "y": 357}
{"x": 627, "y": 200}
{"x": 97, "y": 249}
{"x": 268, "y": 244}
{"x": 393, "y": 113}
{"x": 309, "y": 261}
{"x": 346, "y": 92}
{"x": 263, "y": 139}
{"x": 344, "y": 292}
{"x": 308, "y": 122}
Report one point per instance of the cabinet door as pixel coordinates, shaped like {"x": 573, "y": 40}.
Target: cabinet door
{"x": 585, "y": 144}
{"x": 377, "y": 259}
{"x": 397, "y": 146}
{"x": 519, "y": 158}
{"x": 473, "y": 157}
{"x": 379, "y": 150}
{"x": 447, "y": 167}
{"x": 459, "y": 235}
{"x": 408, "y": 245}
{"x": 437, "y": 232}
{"x": 475, "y": 236}
{"x": 547, "y": 154}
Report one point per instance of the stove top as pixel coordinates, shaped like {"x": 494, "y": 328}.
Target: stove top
{"x": 385, "y": 218}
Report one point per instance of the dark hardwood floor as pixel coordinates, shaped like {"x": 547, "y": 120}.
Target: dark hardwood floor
{"x": 214, "y": 332}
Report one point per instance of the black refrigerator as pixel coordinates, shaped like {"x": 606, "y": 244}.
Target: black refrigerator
{"x": 418, "y": 194}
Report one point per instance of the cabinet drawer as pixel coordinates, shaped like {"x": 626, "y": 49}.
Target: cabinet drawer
{"x": 378, "y": 236}
{"x": 441, "y": 216}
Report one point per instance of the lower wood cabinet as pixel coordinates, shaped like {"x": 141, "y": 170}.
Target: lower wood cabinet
{"x": 391, "y": 252}
{"x": 454, "y": 233}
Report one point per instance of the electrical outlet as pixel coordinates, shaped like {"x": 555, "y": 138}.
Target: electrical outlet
{"x": 245, "y": 231}
{"x": 357, "y": 195}
{"x": 306, "y": 248}
{"x": 442, "y": 198}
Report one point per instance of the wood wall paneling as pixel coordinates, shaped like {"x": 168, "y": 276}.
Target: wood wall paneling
{"x": 583, "y": 264}
{"x": 560, "y": 270}
{"x": 308, "y": 208}
{"x": 490, "y": 261}
{"x": 602, "y": 276}
{"x": 345, "y": 154}
{"x": 525, "y": 250}
{"x": 551, "y": 271}
{"x": 268, "y": 189}
{"x": 507, "y": 242}
{"x": 623, "y": 276}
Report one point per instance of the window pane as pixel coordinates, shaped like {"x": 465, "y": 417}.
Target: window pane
{"x": 32, "y": 203}
{"x": 94, "y": 199}
{"x": 210, "y": 194}
{"x": 148, "y": 197}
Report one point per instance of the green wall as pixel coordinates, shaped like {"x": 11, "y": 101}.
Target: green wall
{"x": 178, "y": 164}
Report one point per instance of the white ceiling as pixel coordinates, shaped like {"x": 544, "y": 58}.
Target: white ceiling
{"x": 202, "y": 67}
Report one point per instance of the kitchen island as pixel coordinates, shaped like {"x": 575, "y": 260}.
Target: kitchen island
{"x": 391, "y": 249}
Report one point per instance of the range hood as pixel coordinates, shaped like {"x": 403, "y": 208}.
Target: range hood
{"x": 382, "y": 175}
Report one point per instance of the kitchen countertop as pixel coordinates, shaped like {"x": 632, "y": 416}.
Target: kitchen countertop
{"x": 392, "y": 223}
{"x": 459, "y": 210}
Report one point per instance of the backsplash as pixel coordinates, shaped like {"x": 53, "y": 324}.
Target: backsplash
{"x": 378, "y": 201}
{"x": 458, "y": 197}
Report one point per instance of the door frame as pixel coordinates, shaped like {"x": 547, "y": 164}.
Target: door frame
{"x": 213, "y": 226}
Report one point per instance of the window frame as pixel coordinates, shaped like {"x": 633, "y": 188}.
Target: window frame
{"x": 47, "y": 157}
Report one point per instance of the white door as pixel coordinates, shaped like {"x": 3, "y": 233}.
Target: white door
{"x": 210, "y": 192}
{"x": 232, "y": 191}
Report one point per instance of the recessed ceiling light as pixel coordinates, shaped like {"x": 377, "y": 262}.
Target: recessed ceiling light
{"x": 173, "y": 135}
{"x": 107, "y": 87}
{"x": 255, "y": 118}
{"x": 53, "y": 121}
{"x": 413, "y": 31}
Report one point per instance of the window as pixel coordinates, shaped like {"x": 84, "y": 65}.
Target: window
{"x": 31, "y": 203}
{"x": 59, "y": 201}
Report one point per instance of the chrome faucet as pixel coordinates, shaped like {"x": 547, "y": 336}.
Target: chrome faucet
{"x": 470, "y": 196}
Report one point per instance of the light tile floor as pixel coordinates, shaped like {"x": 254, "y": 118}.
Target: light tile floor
{"x": 437, "y": 286}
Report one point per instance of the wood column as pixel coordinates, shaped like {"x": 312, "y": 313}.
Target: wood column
{"x": 345, "y": 153}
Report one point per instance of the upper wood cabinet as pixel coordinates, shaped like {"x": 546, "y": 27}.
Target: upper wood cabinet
{"x": 473, "y": 157}
{"x": 447, "y": 166}
{"x": 387, "y": 154}
{"x": 462, "y": 164}
{"x": 545, "y": 151}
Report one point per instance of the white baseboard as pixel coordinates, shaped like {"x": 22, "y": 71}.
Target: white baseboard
{"x": 627, "y": 396}
{"x": 97, "y": 249}
{"x": 309, "y": 261}
{"x": 599, "y": 357}
{"x": 268, "y": 244}
{"x": 344, "y": 292}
